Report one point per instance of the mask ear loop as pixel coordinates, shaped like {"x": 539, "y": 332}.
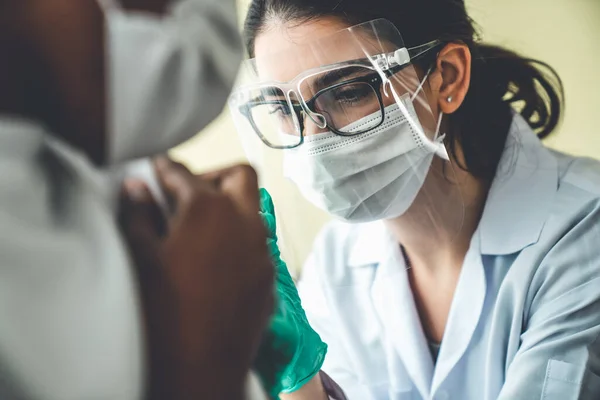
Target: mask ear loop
{"x": 438, "y": 140}
{"x": 421, "y": 84}
{"x": 437, "y": 136}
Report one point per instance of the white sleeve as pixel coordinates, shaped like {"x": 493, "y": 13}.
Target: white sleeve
{"x": 215, "y": 23}
{"x": 559, "y": 354}
{"x": 189, "y": 61}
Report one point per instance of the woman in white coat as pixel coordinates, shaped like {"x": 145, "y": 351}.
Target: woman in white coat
{"x": 467, "y": 261}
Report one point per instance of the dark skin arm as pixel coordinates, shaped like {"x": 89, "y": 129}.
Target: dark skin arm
{"x": 52, "y": 69}
{"x": 207, "y": 285}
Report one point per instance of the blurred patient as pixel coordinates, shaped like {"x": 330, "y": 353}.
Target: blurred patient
{"x": 89, "y": 310}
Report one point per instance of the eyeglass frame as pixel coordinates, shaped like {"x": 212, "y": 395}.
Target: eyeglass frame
{"x": 385, "y": 62}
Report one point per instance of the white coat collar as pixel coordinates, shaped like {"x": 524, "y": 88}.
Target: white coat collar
{"x": 516, "y": 209}
{"x": 521, "y": 195}
{"x": 370, "y": 245}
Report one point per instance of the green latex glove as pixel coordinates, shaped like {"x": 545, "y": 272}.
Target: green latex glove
{"x": 291, "y": 353}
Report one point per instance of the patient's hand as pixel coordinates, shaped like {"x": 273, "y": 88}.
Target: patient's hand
{"x": 206, "y": 285}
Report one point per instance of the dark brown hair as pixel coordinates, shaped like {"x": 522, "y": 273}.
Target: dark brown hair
{"x": 500, "y": 79}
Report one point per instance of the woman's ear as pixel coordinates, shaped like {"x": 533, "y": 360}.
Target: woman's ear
{"x": 454, "y": 65}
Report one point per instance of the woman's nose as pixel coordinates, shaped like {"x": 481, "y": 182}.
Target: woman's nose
{"x": 314, "y": 128}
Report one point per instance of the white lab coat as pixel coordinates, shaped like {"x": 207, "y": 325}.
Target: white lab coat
{"x": 525, "y": 319}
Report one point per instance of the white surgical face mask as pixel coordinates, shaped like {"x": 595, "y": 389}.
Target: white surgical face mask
{"x": 368, "y": 177}
{"x": 167, "y": 76}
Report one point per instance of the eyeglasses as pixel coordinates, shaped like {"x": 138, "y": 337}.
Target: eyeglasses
{"x": 346, "y": 98}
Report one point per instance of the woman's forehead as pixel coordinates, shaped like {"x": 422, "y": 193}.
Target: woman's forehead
{"x": 286, "y": 50}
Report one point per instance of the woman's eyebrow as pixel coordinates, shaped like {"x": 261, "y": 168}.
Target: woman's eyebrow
{"x": 332, "y": 77}
{"x": 272, "y": 93}
{"x": 322, "y": 81}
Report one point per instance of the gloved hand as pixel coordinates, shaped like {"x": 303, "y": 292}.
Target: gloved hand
{"x": 291, "y": 353}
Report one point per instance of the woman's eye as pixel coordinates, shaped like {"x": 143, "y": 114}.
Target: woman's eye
{"x": 280, "y": 111}
{"x": 353, "y": 95}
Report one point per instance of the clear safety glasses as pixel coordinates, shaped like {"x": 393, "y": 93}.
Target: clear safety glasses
{"x": 330, "y": 97}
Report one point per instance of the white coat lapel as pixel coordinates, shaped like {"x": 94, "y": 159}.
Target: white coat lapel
{"x": 394, "y": 303}
{"x": 465, "y": 313}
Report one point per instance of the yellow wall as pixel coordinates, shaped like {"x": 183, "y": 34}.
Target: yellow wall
{"x": 564, "y": 33}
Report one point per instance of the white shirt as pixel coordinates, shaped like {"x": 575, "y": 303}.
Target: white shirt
{"x": 525, "y": 319}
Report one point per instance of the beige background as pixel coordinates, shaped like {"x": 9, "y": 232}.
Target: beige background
{"x": 563, "y": 33}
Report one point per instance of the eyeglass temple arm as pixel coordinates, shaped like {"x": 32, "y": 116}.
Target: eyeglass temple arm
{"x": 418, "y": 51}
{"x": 404, "y": 55}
